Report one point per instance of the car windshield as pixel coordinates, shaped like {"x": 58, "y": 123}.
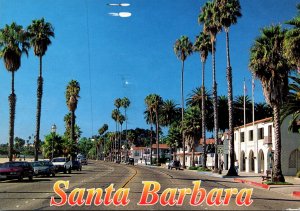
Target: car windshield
{"x": 13, "y": 164}
{"x": 36, "y": 164}
{"x": 58, "y": 160}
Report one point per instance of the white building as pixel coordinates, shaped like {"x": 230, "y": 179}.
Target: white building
{"x": 254, "y": 146}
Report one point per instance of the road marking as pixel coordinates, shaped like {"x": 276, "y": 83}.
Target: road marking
{"x": 135, "y": 173}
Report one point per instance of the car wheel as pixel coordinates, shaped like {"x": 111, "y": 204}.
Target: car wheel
{"x": 21, "y": 177}
{"x": 80, "y": 169}
{"x": 53, "y": 174}
{"x": 69, "y": 171}
{"x": 30, "y": 178}
{"x": 48, "y": 175}
{"x": 65, "y": 170}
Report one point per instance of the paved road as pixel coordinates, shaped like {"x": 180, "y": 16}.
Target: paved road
{"x": 36, "y": 195}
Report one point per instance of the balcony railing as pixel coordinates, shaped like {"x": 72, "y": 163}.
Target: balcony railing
{"x": 268, "y": 140}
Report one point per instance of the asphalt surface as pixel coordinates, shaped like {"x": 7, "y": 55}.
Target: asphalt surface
{"x": 36, "y": 195}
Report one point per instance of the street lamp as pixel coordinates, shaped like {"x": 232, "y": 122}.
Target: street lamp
{"x": 53, "y": 130}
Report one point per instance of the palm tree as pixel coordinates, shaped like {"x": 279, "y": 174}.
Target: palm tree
{"x": 118, "y": 104}
{"x": 115, "y": 116}
{"x": 292, "y": 42}
{"x": 292, "y": 107}
{"x": 183, "y": 48}
{"x": 149, "y": 104}
{"x": 211, "y": 25}
{"x": 72, "y": 96}
{"x": 271, "y": 68}
{"x": 157, "y": 103}
{"x": 13, "y": 43}
{"x": 169, "y": 113}
{"x": 192, "y": 128}
{"x": 121, "y": 120}
{"x": 229, "y": 12}
{"x": 40, "y": 33}
{"x": 262, "y": 110}
{"x": 203, "y": 46}
{"x": 101, "y": 132}
{"x": 125, "y": 105}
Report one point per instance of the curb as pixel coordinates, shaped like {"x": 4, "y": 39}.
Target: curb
{"x": 296, "y": 194}
{"x": 253, "y": 183}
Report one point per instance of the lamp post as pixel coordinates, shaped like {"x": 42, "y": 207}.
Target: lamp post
{"x": 53, "y": 130}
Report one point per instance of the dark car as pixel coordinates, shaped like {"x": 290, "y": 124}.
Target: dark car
{"x": 131, "y": 161}
{"x": 16, "y": 170}
{"x": 76, "y": 165}
{"x": 82, "y": 159}
{"x": 174, "y": 164}
{"x": 43, "y": 168}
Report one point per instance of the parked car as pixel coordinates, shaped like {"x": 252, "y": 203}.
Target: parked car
{"x": 16, "y": 170}
{"x": 174, "y": 164}
{"x": 43, "y": 168}
{"x": 62, "y": 164}
{"x": 131, "y": 161}
{"x": 82, "y": 159}
{"x": 76, "y": 165}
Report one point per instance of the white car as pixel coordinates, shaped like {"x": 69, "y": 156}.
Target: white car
{"x": 62, "y": 164}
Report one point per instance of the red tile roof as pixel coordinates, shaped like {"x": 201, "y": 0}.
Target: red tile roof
{"x": 208, "y": 141}
{"x": 161, "y": 146}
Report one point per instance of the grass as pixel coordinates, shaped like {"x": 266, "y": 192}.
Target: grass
{"x": 277, "y": 183}
{"x": 203, "y": 169}
{"x": 193, "y": 168}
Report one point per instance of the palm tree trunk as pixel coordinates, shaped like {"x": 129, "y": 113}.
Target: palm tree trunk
{"x": 277, "y": 174}
{"x": 151, "y": 137}
{"x": 203, "y": 117}
{"x": 182, "y": 113}
{"x": 126, "y": 136}
{"x": 231, "y": 171}
{"x": 38, "y": 111}
{"x": 215, "y": 102}
{"x": 157, "y": 136}
{"x": 120, "y": 140}
{"x": 193, "y": 157}
{"x": 73, "y": 132}
{"x": 12, "y": 105}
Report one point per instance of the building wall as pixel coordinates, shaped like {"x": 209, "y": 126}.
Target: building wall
{"x": 254, "y": 155}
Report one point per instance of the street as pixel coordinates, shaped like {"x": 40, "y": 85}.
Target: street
{"x": 98, "y": 174}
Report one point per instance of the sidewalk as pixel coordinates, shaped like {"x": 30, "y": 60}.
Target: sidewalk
{"x": 255, "y": 180}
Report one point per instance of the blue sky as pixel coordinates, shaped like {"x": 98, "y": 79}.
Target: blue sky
{"x": 114, "y": 57}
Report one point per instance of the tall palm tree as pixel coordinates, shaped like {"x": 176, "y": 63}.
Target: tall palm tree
{"x": 183, "y": 48}
{"x": 125, "y": 105}
{"x": 229, "y": 12}
{"x": 115, "y": 116}
{"x": 203, "y": 46}
{"x": 101, "y": 132}
{"x": 121, "y": 120}
{"x": 271, "y": 68}
{"x": 209, "y": 17}
{"x": 157, "y": 103}
{"x": 72, "y": 96}
{"x": 292, "y": 41}
{"x": 13, "y": 43}
{"x": 118, "y": 104}
{"x": 40, "y": 33}
{"x": 149, "y": 103}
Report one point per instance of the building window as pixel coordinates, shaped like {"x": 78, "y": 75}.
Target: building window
{"x": 260, "y": 133}
{"x": 270, "y": 130}
{"x": 242, "y": 137}
{"x": 251, "y": 135}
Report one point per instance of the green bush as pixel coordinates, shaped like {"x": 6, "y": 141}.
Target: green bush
{"x": 203, "y": 169}
{"x": 193, "y": 168}
{"x": 298, "y": 174}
